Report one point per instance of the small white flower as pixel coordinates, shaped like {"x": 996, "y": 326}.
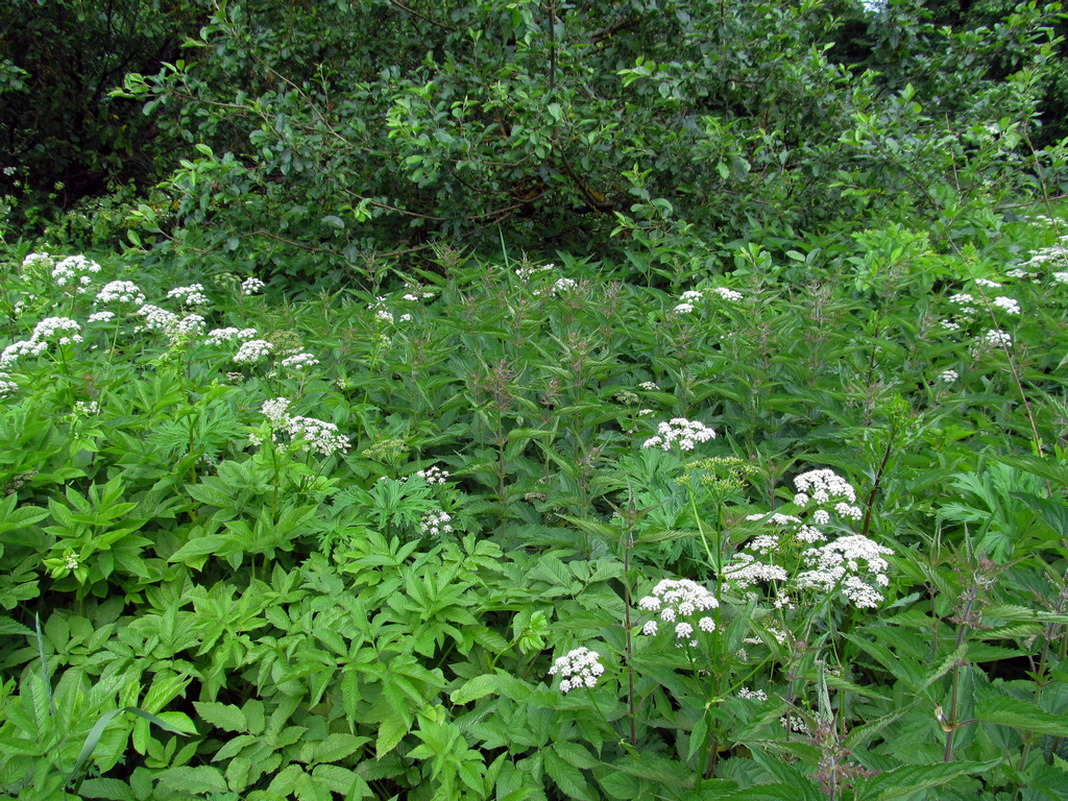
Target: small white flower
{"x": 436, "y": 523}
{"x": 299, "y": 361}
{"x": 253, "y": 351}
{"x": 580, "y": 667}
{"x": 987, "y": 283}
{"x": 681, "y": 432}
{"x": 433, "y": 475}
{"x": 120, "y": 292}
{"x": 727, "y": 294}
{"x": 1010, "y": 305}
{"x": 752, "y": 695}
{"x": 252, "y": 285}
{"x": 192, "y": 295}
{"x": 948, "y": 376}
{"x": 997, "y": 339}
{"x": 7, "y": 386}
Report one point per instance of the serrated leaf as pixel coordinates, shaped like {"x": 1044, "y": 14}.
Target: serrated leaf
{"x": 623, "y": 786}
{"x": 9, "y": 626}
{"x": 201, "y": 779}
{"x": 209, "y": 545}
{"x": 476, "y": 688}
{"x": 222, "y": 716}
{"x": 567, "y": 777}
{"x": 390, "y": 732}
{"x": 1021, "y": 715}
{"x": 111, "y": 789}
{"x": 907, "y": 780}
{"x": 576, "y": 754}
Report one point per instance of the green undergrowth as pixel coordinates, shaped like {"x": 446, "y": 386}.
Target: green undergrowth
{"x": 793, "y": 528}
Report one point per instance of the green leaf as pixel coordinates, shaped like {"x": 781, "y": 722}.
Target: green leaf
{"x": 567, "y": 777}
{"x": 222, "y": 716}
{"x": 1021, "y": 715}
{"x": 390, "y": 732}
{"x": 475, "y": 688}
{"x": 112, "y": 789}
{"x": 9, "y": 626}
{"x": 907, "y": 780}
{"x": 195, "y": 549}
{"x": 201, "y": 779}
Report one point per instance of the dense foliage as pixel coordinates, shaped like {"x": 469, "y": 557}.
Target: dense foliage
{"x": 517, "y": 400}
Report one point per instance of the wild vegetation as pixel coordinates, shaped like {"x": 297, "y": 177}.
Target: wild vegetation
{"x": 521, "y": 401}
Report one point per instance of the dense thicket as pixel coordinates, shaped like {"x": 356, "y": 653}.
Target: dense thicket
{"x": 313, "y": 136}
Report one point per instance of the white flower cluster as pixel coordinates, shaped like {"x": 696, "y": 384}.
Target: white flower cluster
{"x": 679, "y": 603}
{"x": 86, "y": 408}
{"x": 963, "y": 301}
{"x": 157, "y": 319}
{"x": 744, "y": 571}
{"x": 192, "y": 295}
{"x": 252, "y": 285}
{"x": 7, "y": 386}
{"x": 120, "y": 292}
{"x": 948, "y": 376}
{"x": 40, "y": 263}
{"x": 580, "y": 667}
{"x": 101, "y": 317}
{"x": 752, "y": 695}
{"x": 63, "y": 330}
{"x": 298, "y": 361}
{"x": 1052, "y": 256}
{"x": 1010, "y": 305}
{"x": 24, "y": 347}
{"x": 997, "y": 339}
{"x": 75, "y": 271}
{"x": 679, "y": 431}
{"x": 433, "y": 475}
{"x": 824, "y": 487}
{"x": 559, "y": 285}
{"x": 253, "y": 351}
{"x": 217, "y": 336}
{"x": 691, "y": 297}
{"x": 436, "y": 523}
{"x": 853, "y": 564}
{"x": 416, "y": 293}
{"x": 986, "y": 283}
{"x": 526, "y": 273}
{"x": 649, "y": 386}
{"x": 309, "y": 433}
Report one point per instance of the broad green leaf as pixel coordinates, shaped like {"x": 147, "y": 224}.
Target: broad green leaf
{"x": 222, "y": 716}
{"x": 1021, "y": 715}
{"x": 201, "y": 779}
{"x": 907, "y": 780}
{"x": 475, "y": 688}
